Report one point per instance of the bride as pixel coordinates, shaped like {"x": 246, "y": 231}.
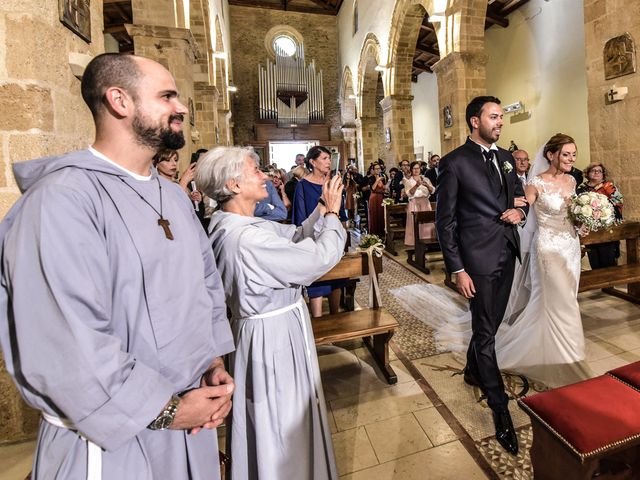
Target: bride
{"x": 541, "y": 335}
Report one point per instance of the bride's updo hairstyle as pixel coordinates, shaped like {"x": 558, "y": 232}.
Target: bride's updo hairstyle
{"x": 555, "y": 144}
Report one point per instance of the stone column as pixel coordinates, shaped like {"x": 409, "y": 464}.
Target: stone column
{"x": 350, "y": 134}
{"x": 461, "y": 77}
{"x": 176, "y": 49}
{"x": 206, "y": 99}
{"x": 367, "y": 132}
{"x": 224, "y": 127}
{"x": 398, "y": 118}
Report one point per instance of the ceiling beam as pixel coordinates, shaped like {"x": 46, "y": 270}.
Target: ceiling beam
{"x": 512, "y": 6}
{"x": 324, "y": 5}
{"x": 492, "y": 19}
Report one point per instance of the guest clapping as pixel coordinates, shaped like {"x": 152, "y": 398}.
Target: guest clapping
{"x": 418, "y": 189}
{"x": 279, "y": 426}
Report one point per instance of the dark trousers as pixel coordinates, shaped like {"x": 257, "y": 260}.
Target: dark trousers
{"x": 487, "y": 309}
{"x": 604, "y": 255}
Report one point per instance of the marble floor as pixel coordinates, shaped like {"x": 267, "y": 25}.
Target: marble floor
{"x": 421, "y": 428}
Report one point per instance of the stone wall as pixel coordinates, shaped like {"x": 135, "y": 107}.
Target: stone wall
{"x": 613, "y": 127}
{"x": 248, "y": 28}
{"x": 43, "y": 115}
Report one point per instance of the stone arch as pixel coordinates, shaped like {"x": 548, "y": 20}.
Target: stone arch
{"x": 368, "y": 76}
{"x": 406, "y": 21}
{"x": 347, "y": 100}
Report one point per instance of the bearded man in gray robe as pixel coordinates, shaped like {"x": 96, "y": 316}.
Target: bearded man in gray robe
{"x": 113, "y": 316}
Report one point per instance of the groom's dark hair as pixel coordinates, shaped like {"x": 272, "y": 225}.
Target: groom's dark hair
{"x": 474, "y": 109}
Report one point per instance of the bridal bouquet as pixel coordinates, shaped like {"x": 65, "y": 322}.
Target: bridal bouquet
{"x": 592, "y": 210}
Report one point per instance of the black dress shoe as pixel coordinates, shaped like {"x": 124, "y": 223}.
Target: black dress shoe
{"x": 505, "y": 433}
{"x": 471, "y": 379}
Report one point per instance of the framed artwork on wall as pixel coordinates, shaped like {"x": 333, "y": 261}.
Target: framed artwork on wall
{"x": 76, "y": 16}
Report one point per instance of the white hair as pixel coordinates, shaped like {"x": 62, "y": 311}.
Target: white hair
{"x": 218, "y": 166}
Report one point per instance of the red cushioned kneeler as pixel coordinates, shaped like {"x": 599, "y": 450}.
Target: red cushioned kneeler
{"x": 630, "y": 374}
{"x": 596, "y": 421}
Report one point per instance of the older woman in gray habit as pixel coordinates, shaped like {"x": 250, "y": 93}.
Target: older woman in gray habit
{"x": 279, "y": 425}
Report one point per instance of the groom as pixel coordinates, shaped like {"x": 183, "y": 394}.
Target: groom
{"x": 476, "y": 222}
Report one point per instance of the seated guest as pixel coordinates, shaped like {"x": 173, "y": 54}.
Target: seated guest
{"x": 271, "y": 207}
{"x": 604, "y": 254}
{"x": 279, "y": 427}
{"x": 308, "y": 194}
{"x": 418, "y": 189}
{"x": 276, "y": 178}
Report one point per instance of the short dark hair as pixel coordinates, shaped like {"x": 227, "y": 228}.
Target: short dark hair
{"x": 393, "y": 169}
{"x": 313, "y": 153}
{"x": 474, "y": 109}
{"x": 414, "y": 163}
{"x": 105, "y": 71}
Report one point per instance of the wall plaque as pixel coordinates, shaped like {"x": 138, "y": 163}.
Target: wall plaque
{"x": 619, "y": 56}
{"x": 76, "y": 16}
{"x": 448, "y": 117}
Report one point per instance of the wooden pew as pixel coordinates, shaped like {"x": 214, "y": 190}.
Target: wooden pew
{"x": 417, "y": 256}
{"x": 607, "y": 278}
{"x": 374, "y": 325}
{"x": 395, "y": 217}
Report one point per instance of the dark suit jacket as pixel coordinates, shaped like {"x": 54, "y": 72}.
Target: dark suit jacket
{"x": 432, "y": 175}
{"x": 470, "y": 232}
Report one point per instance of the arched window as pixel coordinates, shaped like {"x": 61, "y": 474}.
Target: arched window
{"x": 284, "y": 40}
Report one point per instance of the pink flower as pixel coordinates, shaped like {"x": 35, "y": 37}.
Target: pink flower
{"x": 595, "y": 203}
{"x": 596, "y": 214}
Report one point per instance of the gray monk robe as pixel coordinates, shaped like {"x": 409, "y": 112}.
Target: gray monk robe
{"x": 279, "y": 426}
{"x": 102, "y": 318}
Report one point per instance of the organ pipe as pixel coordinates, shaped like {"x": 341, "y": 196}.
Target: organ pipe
{"x": 290, "y": 90}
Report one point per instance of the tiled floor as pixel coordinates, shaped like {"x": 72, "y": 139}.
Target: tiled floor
{"x": 422, "y": 427}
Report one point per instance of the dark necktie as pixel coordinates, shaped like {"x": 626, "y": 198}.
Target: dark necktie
{"x": 494, "y": 176}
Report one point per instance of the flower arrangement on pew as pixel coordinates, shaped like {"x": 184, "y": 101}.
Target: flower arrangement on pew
{"x": 593, "y": 211}
{"x": 388, "y": 201}
{"x": 371, "y": 243}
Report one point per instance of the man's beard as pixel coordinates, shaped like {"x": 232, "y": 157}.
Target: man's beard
{"x": 157, "y": 137}
{"x": 487, "y": 135}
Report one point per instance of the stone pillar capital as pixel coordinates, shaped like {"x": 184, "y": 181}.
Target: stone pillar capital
{"x": 477, "y": 59}
{"x": 395, "y": 101}
{"x": 166, "y": 33}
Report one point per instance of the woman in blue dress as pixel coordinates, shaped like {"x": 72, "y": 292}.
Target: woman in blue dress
{"x": 305, "y": 200}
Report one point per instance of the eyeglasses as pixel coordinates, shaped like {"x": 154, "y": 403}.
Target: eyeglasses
{"x": 595, "y": 170}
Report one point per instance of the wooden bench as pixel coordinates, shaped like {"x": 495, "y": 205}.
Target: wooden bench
{"x": 587, "y": 430}
{"x": 395, "y": 218}
{"x": 374, "y": 325}
{"x": 607, "y": 278}
{"x": 417, "y": 256}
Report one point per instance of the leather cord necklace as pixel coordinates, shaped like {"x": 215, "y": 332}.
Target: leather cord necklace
{"x": 163, "y": 222}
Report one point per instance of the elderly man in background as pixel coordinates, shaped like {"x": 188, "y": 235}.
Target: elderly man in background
{"x": 114, "y": 321}
{"x": 521, "y": 158}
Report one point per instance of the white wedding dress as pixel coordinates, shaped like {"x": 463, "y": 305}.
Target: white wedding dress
{"x": 541, "y": 335}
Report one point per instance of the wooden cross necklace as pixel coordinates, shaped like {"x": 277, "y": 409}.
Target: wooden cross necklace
{"x": 163, "y": 222}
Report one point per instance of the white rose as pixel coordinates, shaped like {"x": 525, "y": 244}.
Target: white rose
{"x": 584, "y": 199}
{"x": 587, "y": 211}
{"x": 577, "y": 209}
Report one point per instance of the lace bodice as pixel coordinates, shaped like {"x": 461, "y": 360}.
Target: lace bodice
{"x": 557, "y": 237}
{"x": 552, "y": 205}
